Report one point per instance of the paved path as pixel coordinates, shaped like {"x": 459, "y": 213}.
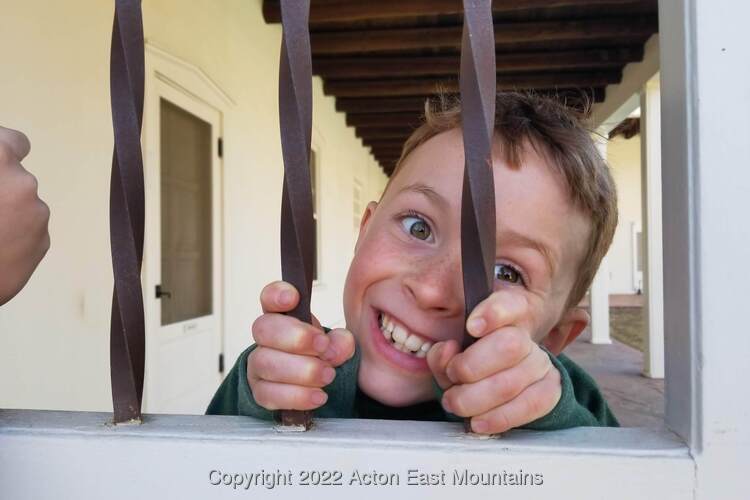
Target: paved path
{"x": 636, "y": 401}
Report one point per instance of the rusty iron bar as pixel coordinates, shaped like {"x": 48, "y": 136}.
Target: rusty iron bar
{"x": 126, "y": 211}
{"x": 295, "y": 117}
{"x": 477, "y": 84}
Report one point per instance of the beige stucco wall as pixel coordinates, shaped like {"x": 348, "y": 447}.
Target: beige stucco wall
{"x": 624, "y": 156}
{"x": 54, "y": 335}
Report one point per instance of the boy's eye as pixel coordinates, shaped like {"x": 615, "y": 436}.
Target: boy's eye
{"x": 506, "y": 272}
{"x": 417, "y": 227}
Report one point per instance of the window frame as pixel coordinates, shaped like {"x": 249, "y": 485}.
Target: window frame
{"x": 702, "y": 413}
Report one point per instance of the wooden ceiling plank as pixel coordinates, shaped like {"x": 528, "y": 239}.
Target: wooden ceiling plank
{"x": 378, "y": 105}
{"x": 382, "y": 147}
{"x": 348, "y": 10}
{"x": 386, "y": 104}
{"x": 349, "y": 42}
{"x": 387, "y": 154}
{"x": 383, "y": 133}
{"x": 416, "y": 87}
{"x": 414, "y": 66}
{"x": 386, "y": 143}
{"x": 370, "y": 120}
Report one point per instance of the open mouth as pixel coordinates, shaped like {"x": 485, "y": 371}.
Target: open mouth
{"x": 401, "y": 338}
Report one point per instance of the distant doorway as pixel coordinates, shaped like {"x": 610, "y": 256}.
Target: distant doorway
{"x": 183, "y": 262}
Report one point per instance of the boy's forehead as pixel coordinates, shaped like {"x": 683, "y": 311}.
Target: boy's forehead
{"x": 440, "y": 157}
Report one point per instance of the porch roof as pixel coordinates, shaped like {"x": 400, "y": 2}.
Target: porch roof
{"x": 380, "y": 60}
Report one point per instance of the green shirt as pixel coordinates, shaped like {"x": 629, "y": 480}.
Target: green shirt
{"x": 581, "y": 403}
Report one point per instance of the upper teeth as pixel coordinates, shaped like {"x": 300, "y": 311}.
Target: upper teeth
{"x": 402, "y": 339}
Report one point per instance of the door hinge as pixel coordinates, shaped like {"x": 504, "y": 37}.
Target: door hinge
{"x": 221, "y": 363}
{"x": 220, "y": 147}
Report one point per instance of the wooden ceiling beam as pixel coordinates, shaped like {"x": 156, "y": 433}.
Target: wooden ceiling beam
{"x": 348, "y": 10}
{"x": 400, "y": 39}
{"x": 383, "y": 133}
{"x": 417, "y": 87}
{"x": 392, "y": 148}
{"x": 370, "y": 120}
{"x": 384, "y": 105}
{"x": 378, "y": 105}
{"x": 387, "y": 161}
{"x": 382, "y": 143}
{"x": 387, "y": 154}
{"x": 410, "y": 66}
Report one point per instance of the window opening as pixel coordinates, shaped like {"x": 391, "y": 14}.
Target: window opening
{"x": 186, "y": 214}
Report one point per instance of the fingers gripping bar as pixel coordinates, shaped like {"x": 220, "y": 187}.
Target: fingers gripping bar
{"x": 295, "y": 121}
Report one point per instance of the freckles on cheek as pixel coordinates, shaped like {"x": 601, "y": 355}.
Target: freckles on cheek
{"x": 383, "y": 252}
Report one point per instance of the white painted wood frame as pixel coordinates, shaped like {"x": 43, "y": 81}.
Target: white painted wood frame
{"x": 703, "y": 454}
{"x": 651, "y": 239}
{"x": 705, "y": 102}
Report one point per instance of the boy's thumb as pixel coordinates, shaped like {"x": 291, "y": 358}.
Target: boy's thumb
{"x": 438, "y": 358}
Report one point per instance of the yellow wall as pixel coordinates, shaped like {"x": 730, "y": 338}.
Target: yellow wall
{"x": 624, "y": 156}
{"x": 54, "y": 335}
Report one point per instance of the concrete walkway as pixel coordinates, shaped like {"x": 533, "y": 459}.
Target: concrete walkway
{"x": 636, "y": 401}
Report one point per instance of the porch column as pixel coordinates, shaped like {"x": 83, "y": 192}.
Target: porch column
{"x": 600, "y": 305}
{"x": 599, "y": 292}
{"x": 653, "y": 365}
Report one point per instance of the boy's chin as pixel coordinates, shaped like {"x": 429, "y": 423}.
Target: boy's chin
{"x": 391, "y": 390}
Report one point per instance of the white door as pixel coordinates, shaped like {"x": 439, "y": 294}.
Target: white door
{"x": 183, "y": 251}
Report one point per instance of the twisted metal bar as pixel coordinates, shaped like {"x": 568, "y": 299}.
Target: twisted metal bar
{"x": 478, "y": 87}
{"x": 295, "y": 117}
{"x": 126, "y": 211}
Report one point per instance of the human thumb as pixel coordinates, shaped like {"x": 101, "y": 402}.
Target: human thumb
{"x": 438, "y": 358}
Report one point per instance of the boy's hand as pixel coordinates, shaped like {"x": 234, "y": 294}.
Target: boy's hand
{"x": 293, "y": 359}
{"x": 503, "y": 380}
{"x": 24, "y": 238}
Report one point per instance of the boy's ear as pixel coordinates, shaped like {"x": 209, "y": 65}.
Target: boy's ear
{"x": 570, "y": 326}
{"x": 366, "y": 217}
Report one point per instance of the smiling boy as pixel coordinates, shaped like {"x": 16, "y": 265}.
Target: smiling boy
{"x": 399, "y": 356}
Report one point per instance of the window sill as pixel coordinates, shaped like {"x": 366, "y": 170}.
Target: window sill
{"x": 175, "y": 454}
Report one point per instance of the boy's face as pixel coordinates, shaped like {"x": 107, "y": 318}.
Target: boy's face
{"x": 406, "y": 278}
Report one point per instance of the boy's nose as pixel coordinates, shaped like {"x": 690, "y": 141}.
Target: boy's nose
{"x": 436, "y": 285}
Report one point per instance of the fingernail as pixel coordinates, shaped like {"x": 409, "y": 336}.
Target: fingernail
{"x": 476, "y": 326}
{"x": 479, "y": 426}
{"x": 320, "y": 344}
{"x": 328, "y": 375}
{"x": 446, "y": 406}
{"x": 286, "y": 297}
{"x": 449, "y": 372}
{"x": 319, "y": 397}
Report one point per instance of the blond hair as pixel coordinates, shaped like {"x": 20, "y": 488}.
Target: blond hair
{"x": 556, "y": 132}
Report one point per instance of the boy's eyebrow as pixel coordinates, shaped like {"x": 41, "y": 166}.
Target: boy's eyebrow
{"x": 428, "y": 192}
{"x": 512, "y": 237}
